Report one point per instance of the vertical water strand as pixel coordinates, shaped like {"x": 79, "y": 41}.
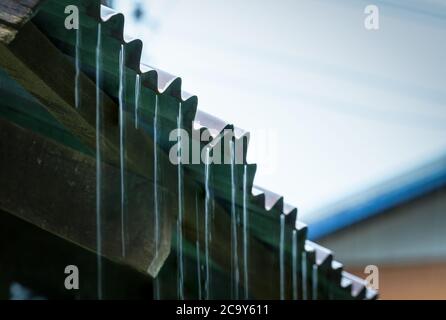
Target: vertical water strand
{"x": 180, "y": 207}
{"x": 197, "y": 246}
{"x": 207, "y": 208}
{"x": 234, "y": 247}
{"x": 122, "y": 145}
{"x": 245, "y": 231}
{"x": 77, "y": 84}
{"x": 294, "y": 274}
{"x": 282, "y": 257}
{"x": 304, "y": 276}
{"x": 315, "y": 281}
{"x": 156, "y": 284}
{"x": 137, "y": 98}
{"x": 98, "y": 165}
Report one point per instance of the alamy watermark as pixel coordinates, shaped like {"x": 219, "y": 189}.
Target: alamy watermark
{"x": 72, "y": 280}
{"x": 373, "y": 276}
{"x": 72, "y": 20}
{"x": 371, "y": 21}
{"x": 214, "y": 147}
{"x": 223, "y": 149}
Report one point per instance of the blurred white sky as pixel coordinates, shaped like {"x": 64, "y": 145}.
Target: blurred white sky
{"x": 346, "y": 107}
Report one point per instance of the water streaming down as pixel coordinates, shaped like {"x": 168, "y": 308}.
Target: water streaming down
{"x": 207, "y": 231}
{"x": 77, "y": 65}
{"x": 208, "y": 207}
{"x": 304, "y": 276}
{"x": 180, "y": 207}
{"x": 197, "y": 245}
{"x": 245, "y": 231}
{"x": 315, "y": 281}
{"x": 137, "y": 98}
{"x": 294, "y": 273}
{"x": 197, "y": 248}
{"x": 122, "y": 146}
{"x": 98, "y": 164}
{"x": 234, "y": 245}
{"x": 282, "y": 257}
{"x": 99, "y": 126}
{"x": 156, "y": 284}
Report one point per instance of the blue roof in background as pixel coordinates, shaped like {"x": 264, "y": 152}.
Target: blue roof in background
{"x": 380, "y": 198}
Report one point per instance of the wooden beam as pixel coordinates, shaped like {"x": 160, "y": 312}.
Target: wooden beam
{"x": 34, "y": 62}
{"x": 53, "y": 187}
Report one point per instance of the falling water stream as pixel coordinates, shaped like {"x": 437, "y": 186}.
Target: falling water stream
{"x": 245, "y": 231}
{"x": 122, "y": 146}
{"x": 98, "y": 164}
{"x": 315, "y": 281}
{"x": 77, "y": 85}
{"x": 180, "y": 207}
{"x": 137, "y": 98}
{"x": 304, "y": 276}
{"x": 294, "y": 273}
{"x": 197, "y": 245}
{"x": 234, "y": 245}
{"x": 207, "y": 213}
{"x": 282, "y": 257}
{"x": 156, "y": 284}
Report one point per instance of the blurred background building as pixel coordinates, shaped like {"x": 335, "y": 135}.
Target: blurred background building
{"x": 399, "y": 227}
